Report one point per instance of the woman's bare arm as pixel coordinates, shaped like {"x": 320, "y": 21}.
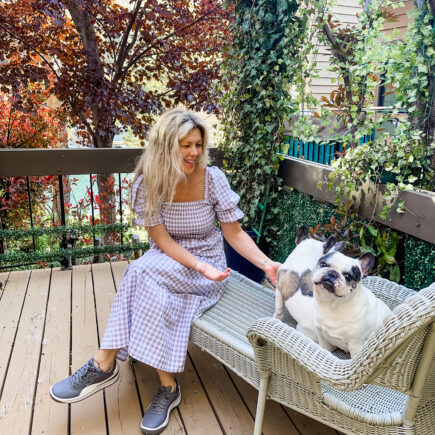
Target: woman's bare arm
{"x": 247, "y": 248}
{"x": 169, "y": 246}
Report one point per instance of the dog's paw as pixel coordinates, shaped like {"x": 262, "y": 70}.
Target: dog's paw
{"x": 278, "y": 316}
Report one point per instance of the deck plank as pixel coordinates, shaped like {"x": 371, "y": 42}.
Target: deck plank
{"x": 49, "y": 416}
{"x": 276, "y": 421}
{"x": 195, "y": 409}
{"x": 231, "y": 411}
{"x": 4, "y": 276}
{"x": 19, "y": 387}
{"x": 118, "y": 269}
{"x": 88, "y": 416}
{"x": 122, "y": 402}
{"x": 10, "y": 308}
{"x": 307, "y": 425}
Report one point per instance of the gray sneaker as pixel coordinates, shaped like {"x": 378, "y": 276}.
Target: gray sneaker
{"x": 83, "y": 383}
{"x": 156, "y": 416}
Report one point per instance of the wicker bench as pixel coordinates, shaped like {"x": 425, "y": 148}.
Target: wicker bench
{"x": 389, "y": 387}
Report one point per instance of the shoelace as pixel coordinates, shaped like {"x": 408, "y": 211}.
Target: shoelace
{"x": 160, "y": 399}
{"x": 82, "y": 374}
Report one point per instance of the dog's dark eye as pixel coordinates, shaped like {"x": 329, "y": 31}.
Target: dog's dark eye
{"x": 347, "y": 276}
{"x": 322, "y": 264}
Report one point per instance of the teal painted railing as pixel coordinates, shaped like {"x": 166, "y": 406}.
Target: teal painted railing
{"x": 319, "y": 152}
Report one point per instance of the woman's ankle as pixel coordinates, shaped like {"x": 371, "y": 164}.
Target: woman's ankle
{"x": 104, "y": 359}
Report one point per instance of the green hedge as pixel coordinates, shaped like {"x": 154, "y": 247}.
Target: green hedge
{"x": 296, "y": 209}
{"x": 419, "y": 263}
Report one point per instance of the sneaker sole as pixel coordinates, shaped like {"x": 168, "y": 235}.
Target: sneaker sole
{"x": 88, "y": 391}
{"x": 157, "y": 430}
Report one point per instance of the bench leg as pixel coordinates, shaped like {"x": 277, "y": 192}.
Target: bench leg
{"x": 261, "y": 404}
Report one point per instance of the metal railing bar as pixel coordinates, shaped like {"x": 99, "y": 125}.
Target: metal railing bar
{"x": 30, "y": 211}
{"x": 64, "y": 260}
{"x": 120, "y": 203}
{"x": 22, "y": 265}
{"x": 92, "y": 207}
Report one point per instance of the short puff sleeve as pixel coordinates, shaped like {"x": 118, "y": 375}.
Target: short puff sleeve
{"x": 138, "y": 204}
{"x": 225, "y": 200}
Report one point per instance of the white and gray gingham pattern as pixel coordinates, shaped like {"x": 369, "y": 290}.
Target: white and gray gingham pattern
{"x": 158, "y": 297}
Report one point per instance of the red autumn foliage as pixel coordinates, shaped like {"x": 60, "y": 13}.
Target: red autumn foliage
{"x": 115, "y": 65}
{"x": 20, "y": 127}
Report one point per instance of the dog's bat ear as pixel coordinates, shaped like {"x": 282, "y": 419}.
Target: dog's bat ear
{"x": 302, "y": 234}
{"x": 338, "y": 247}
{"x": 366, "y": 262}
{"x": 328, "y": 244}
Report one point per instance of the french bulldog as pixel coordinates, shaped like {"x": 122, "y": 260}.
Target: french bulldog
{"x": 345, "y": 311}
{"x": 295, "y": 284}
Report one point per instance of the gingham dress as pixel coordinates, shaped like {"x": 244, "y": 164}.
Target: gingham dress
{"x": 158, "y": 297}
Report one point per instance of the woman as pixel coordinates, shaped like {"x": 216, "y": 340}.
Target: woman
{"x": 178, "y": 199}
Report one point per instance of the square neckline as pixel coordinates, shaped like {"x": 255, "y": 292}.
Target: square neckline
{"x": 206, "y": 171}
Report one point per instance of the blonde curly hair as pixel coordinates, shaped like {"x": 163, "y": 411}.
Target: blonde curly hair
{"x": 161, "y": 163}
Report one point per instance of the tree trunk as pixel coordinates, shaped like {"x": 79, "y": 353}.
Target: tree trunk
{"x": 106, "y": 192}
{"x": 103, "y": 123}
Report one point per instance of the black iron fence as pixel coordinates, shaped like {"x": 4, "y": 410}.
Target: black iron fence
{"x": 59, "y": 164}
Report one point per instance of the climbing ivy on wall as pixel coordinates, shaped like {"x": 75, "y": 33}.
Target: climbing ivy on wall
{"x": 264, "y": 60}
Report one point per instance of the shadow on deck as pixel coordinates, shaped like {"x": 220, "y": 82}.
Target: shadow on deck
{"x": 51, "y": 322}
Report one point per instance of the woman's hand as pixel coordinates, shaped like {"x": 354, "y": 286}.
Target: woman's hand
{"x": 210, "y": 272}
{"x": 271, "y": 269}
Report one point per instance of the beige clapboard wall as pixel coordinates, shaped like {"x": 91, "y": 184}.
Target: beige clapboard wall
{"x": 345, "y": 11}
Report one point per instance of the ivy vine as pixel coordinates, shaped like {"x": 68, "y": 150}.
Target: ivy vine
{"x": 402, "y": 160}
{"x": 265, "y": 60}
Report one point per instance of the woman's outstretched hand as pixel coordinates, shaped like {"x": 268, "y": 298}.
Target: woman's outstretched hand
{"x": 210, "y": 272}
{"x": 271, "y": 269}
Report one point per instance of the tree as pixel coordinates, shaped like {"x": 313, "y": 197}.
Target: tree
{"x": 29, "y": 122}
{"x": 114, "y": 65}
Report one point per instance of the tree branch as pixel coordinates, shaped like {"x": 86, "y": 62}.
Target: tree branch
{"x": 26, "y": 44}
{"x": 159, "y": 41}
{"x": 122, "y": 48}
{"x": 345, "y": 73}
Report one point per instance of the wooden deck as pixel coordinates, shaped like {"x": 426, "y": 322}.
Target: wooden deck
{"x": 52, "y": 321}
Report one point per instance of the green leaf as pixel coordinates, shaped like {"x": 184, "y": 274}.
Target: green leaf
{"x": 373, "y": 231}
{"x": 389, "y": 259}
{"x": 395, "y": 273}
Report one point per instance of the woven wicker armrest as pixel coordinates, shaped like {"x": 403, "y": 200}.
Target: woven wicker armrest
{"x": 403, "y": 323}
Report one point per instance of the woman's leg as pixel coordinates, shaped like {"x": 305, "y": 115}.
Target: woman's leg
{"x": 104, "y": 359}
{"x": 167, "y": 379}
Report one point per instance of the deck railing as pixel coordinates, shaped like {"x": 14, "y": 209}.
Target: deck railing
{"x": 300, "y": 174}
{"x": 61, "y": 163}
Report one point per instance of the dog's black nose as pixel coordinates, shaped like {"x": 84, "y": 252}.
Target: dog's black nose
{"x": 332, "y": 275}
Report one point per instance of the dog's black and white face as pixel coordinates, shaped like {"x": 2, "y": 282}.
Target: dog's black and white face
{"x": 339, "y": 276}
